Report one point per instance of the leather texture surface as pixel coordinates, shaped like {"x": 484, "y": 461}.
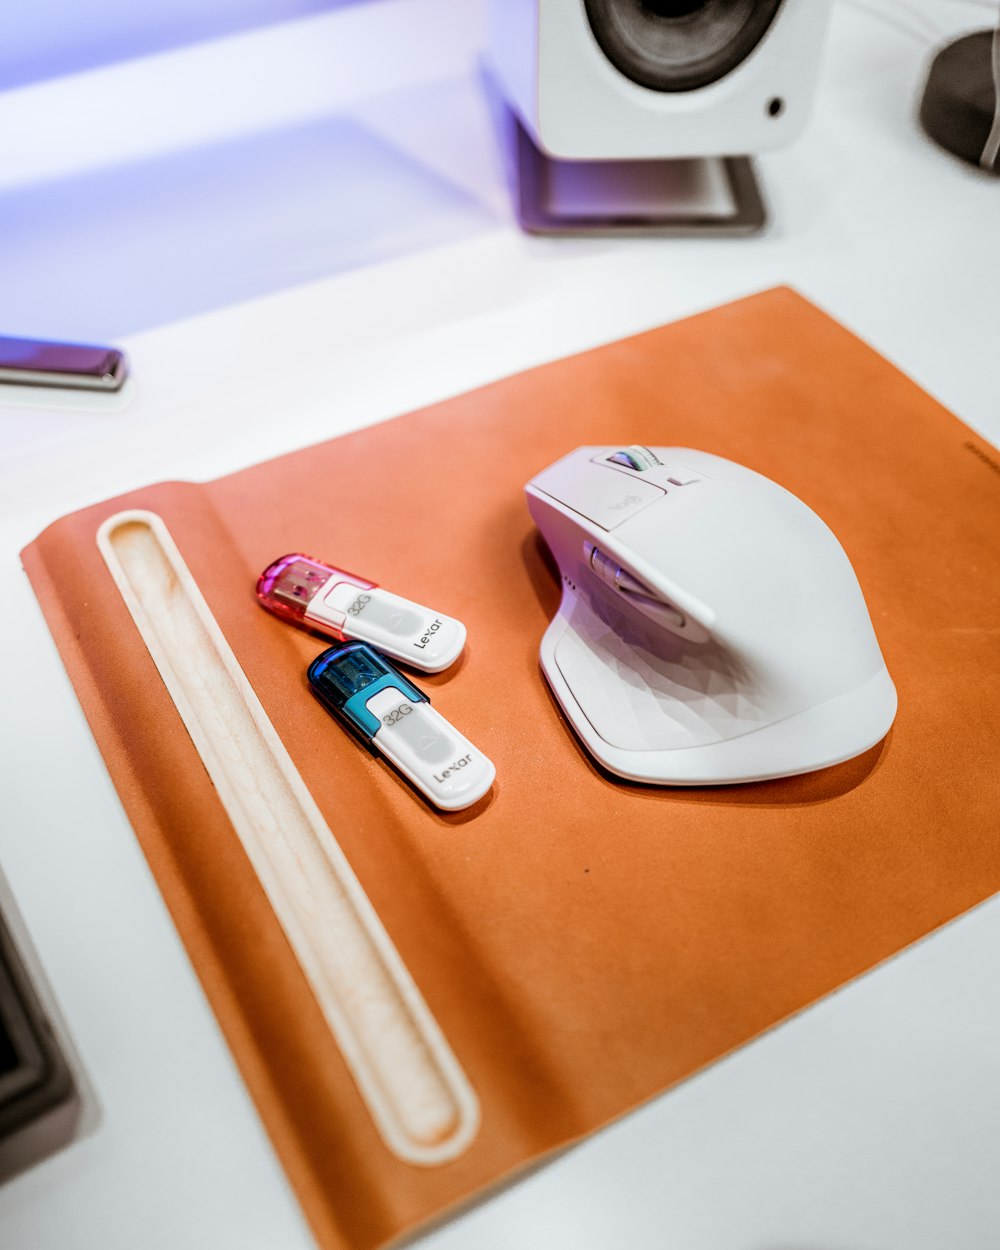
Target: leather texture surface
{"x": 583, "y": 942}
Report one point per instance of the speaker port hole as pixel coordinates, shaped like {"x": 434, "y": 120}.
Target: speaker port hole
{"x": 775, "y": 107}
{"x": 672, "y": 8}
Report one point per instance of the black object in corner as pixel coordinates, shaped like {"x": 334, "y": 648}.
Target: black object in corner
{"x": 38, "y": 1097}
{"x": 959, "y": 105}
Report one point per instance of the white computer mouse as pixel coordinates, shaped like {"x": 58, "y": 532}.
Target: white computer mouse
{"x": 711, "y": 628}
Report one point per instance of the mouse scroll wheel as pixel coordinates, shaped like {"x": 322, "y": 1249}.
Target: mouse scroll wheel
{"x": 635, "y": 457}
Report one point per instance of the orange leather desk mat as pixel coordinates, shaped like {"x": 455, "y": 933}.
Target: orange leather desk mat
{"x": 583, "y": 942}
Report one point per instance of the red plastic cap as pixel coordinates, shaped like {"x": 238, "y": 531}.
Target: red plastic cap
{"x": 287, "y": 586}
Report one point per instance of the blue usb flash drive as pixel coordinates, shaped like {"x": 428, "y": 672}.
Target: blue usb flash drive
{"x": 378, "y": 704}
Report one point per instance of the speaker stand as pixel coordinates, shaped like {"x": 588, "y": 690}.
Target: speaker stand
{"x": 698, "y": 196}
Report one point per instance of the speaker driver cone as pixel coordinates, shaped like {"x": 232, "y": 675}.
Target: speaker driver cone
{"x": 678, "y": 45}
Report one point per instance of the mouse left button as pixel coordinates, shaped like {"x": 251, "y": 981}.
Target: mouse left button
{"x": 603, "y": 495}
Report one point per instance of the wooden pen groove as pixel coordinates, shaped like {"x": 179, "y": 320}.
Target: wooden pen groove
{"x": 414, "y": 1087}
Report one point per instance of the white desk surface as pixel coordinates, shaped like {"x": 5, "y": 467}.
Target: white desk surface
{"x": 293, "y": 236}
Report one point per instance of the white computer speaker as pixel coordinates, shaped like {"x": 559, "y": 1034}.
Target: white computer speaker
{"x": 618, "y": 80}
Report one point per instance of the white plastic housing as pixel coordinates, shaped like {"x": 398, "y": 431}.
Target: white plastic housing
{"x": 718, "y": 634}
{"x": 576, "y": 105}
{"x": 442, "y": 763}
{"x": 405, "y": 630}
